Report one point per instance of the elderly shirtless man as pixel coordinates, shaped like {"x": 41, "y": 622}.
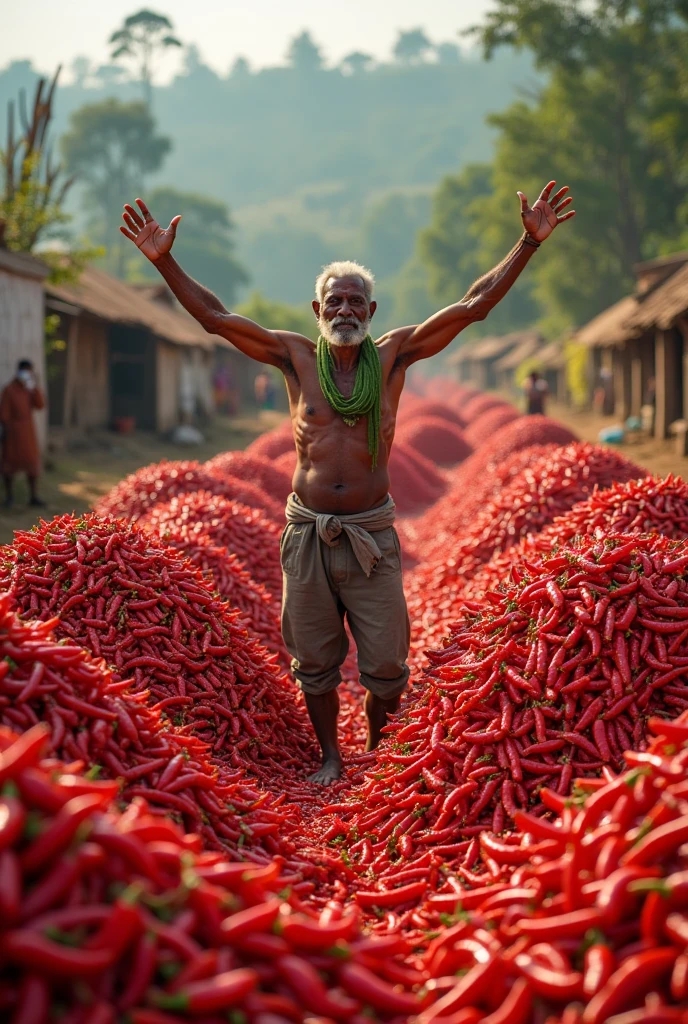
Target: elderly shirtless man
{"x": 340, "y": 551}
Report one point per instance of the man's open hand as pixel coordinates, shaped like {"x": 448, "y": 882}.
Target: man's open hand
{"x": 152, "y": 240}
{"x": 541, "y": 221}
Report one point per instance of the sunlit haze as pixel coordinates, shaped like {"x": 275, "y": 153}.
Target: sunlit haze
{"x": 49, "y": 32}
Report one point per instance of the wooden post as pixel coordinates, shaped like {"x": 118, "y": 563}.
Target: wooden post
{"x": 661, "y": 422}
{"x": 621, "y": 368}
{"x": 636, "y": 377}
{"x": 668, "y": 374}
{"x": 70, "y": 376}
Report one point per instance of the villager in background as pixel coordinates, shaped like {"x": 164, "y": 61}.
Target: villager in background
{"x": 536, "y": 391}
{"x": 265, "y": 391}
{"x": 20, "y": 452}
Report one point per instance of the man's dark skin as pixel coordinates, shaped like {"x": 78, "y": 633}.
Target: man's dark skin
{"x": 333, "y": 473}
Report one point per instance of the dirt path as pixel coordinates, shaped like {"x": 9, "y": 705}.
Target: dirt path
{"x": 657, "y": 457}
{"x": 74, "y": 479}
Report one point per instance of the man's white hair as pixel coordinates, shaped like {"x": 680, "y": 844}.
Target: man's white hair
{"x": 344, "y": 268}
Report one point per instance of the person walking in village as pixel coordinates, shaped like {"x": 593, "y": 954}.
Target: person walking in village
{"x": 340, "y": 551}
{"x": 20, "y": 452}
{"x": 536, "y": 390}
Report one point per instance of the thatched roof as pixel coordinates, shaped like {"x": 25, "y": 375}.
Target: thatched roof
{"x": 527, "y": 347}
{"x": 663, "y": 306}
{"x": 486, "y": 348}
{"x": 110, "y": 299}
{"x": 611, "y": 326}
{"x": 23, "y": 264}
{"x": 552, "y": 356}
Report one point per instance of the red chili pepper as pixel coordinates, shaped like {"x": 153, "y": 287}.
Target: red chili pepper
{"x": 635, "y": 977}
{"x": 221, "y": 992}
{"x": 362, "y": 984}
{"x": 24, "y": 752}
{"x": 558, "y": 986}
{"x": 305, "y": 983}
{"x": 391, "y": 897}
{"x": 659, "y": 843}
{"x": 599, "y": 964}
{"x": 29, "y": 949}
{"x": 516, "y": 1007}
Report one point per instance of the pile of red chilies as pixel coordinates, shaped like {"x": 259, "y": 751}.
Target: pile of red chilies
{"x": 585, "y": 919}
{"x": 112, "y": 731}
{"x": 152, "y": 617}
{"x": 250, "y": 535}
{"x": 553, "y": 678}
{"x": 139, "y": 491}
{"x": 482, "y": 427}
{"x": 435, "y": 438}
{"x": 109, "y": 916}
{"x": 651, "y": 505}
{"x": 245, "y": 466}
{"x": 548, "y": 487}
{"x": 480, "y": 477}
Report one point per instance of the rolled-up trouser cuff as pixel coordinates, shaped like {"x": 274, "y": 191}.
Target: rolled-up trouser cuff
{"x": 316, "y": 685}
{"x": 386, "y": 689}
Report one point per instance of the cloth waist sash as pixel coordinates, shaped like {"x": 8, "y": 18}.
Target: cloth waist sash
{"x": 358, "y": 527}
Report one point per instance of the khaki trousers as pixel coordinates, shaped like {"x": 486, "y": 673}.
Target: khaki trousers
{"x": 322, "y": 586}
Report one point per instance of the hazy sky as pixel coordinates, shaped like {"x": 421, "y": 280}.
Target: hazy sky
{"x": 50, "y": 32}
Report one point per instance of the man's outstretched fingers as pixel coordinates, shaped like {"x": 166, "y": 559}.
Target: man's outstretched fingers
{"x": 545, "y": 194}
{"x": 131, "y": 224}
{"x": 128, "y": 233}
{"x": 561, "y": 206}
{"x": 566, "y": 216}
{"x": 173, "y": 225}
{"x": 524, "y": 202}
{"x": 558, "y": 195}
{"x": 133, "y": 214}
{"x": 144, "y": 210}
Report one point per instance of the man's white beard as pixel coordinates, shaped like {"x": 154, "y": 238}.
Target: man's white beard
{"x": 332, "y": 331}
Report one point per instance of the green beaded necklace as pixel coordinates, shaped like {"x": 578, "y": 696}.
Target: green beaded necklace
{"x": 365, "y": 398}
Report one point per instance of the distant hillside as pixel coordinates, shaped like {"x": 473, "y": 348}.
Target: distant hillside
{"x": 304, "y": 157}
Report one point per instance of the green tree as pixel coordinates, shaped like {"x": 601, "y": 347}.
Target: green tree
{"x": 33, "y": 186}
{"x": 140, "y": 38}
{"x": 458, "y": 246}
{"x": 357, "y": 63}
{"x": 205, "y": 240}
{"x": 278, "y": 316}
{"x": 110, "y": 146}
{"x": 448, "y": 54}
{"x": 240, "y": 69}
{"x": 304, "y": 54}
{"x": 412, "y": 47}
{"x": 610, "y": 123}
{"x": 109, "y": 75}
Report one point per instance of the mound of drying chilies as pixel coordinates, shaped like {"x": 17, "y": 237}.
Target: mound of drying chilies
{"x": 138, "y": 492}
{"x": 553, "y": 678}
{"x": 153, "y": 618}
{"x": 549, "y": 485}
{"x": 112, "y": 731}
{"x": 107, "y": 913}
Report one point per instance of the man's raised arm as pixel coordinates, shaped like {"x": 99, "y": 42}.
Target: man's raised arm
{"x": 155, "y": 243}
{"x": 436, "y": 333}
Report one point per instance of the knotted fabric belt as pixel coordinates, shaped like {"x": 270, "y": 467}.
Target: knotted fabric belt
{"x": 358, "y": 527}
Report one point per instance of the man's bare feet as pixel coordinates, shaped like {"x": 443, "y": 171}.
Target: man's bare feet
{"x": 377, "y": 710}
{"x": 329, "y": 773}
